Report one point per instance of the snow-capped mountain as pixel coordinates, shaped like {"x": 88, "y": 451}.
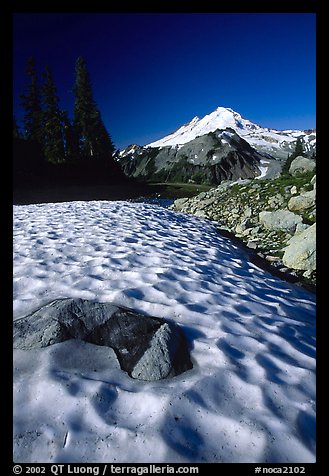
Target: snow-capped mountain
{"x": 220, "y": 146}
{"x": 270, "y": 141}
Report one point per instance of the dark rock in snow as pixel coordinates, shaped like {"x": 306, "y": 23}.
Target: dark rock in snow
{"x": 148, "y": 348}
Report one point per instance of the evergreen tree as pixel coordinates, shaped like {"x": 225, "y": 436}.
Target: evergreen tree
{"x": 104, "y": 147}
{"x": 71, "y": 139}
{"x": 94, "y": 139}
{"x": 53, "y": 139}
{"x": 299, "y": 150}
{"x": 31, "y": 103}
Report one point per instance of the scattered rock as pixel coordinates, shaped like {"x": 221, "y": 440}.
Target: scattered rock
{"x": 275, "y": 201}
{"x": 147, "y": 348}
{"x": 264, "y": 214}
{"x": 252, "y": 244}
{"x": 272, "y": 259}
{"x": 244, "y": 226}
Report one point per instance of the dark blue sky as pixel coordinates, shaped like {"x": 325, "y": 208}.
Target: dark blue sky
{"x": 153, "y": 72}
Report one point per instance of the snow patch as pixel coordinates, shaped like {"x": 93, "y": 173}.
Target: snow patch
{"x": 250, "y": 396}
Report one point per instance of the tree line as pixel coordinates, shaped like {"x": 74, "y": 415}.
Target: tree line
{"x": 49, "y": 130}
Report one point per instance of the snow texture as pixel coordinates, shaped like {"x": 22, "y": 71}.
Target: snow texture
{"x": 250, "y": 396}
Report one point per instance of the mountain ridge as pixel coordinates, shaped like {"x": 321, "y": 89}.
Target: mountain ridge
{"x": 210, "y": 158}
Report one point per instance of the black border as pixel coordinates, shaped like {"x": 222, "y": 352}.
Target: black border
{"x": 7, "y": 10}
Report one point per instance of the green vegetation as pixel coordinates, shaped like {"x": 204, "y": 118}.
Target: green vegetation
{"x": 178, "y": 170}
{"x": 280, "y": 184}
{"x": 216, "y": 141}
{"x": 150, "y": 167}
{"x": 173, "y": 190}
{"x": 267, "y": 188}
{"x": 198, "y": 177}
{"x": 175, "y": 172}
{"x": 269, "y": 195}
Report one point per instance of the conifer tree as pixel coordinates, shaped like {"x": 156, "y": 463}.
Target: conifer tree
{"x": 299, "y": 149}
{"x": 94, "y": 139}
{"x": 31, "y": 104}
{"x": 53, "y": 139}
{"x": 104, "y": 146}
{"x": 71, "y": 139}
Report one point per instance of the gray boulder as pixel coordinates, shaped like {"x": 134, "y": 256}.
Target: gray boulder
{"x": 147, "y": 348}
{"x": 301, "y": 250}
{"x": 302, "y": 202}
{"x": 179, "y": 203}
{"x": 301, "y": 165}
{"x": 280, "y": 220}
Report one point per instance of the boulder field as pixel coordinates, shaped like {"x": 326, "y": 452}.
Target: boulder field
{"x": 274, "y": 217}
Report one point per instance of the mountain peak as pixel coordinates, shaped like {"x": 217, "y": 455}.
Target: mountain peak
{"x": 271, "y": 141}
{"x": 220, "y": 118}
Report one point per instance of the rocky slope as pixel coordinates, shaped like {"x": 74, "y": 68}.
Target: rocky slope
{"x": 275, "y": 218}
{"x": 210, "y": 158}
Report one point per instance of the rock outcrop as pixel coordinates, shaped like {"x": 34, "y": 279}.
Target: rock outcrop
{"x": 147, "y": 348}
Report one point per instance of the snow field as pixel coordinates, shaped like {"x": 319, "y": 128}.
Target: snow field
{"x": 250, "y": 396}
